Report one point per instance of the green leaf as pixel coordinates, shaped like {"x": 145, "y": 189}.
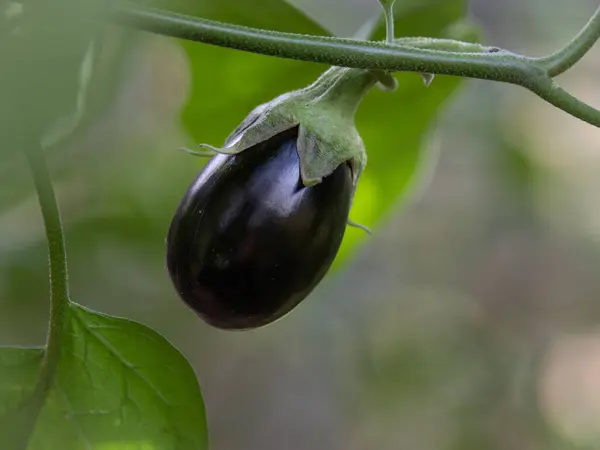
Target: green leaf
{"x": 396, "y": 126}
{"x": 18, "y": 375}
{"x": 226, "y": 84}
{"x": 118, "y": 385}
{"x": 19, "y": 372}
{"x": 267, "y": 14}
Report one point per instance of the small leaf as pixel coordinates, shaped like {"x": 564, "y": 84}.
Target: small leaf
{"x": 118, "y": 384}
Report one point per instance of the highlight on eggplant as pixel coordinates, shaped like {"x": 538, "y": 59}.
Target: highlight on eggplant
{"x": 249, "y": 241}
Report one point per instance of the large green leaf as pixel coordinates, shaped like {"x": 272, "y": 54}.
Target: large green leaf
{"x": 267, "y": 14}
{"x": 118, "y": 385}
{"x": 227, "y": 84}
{"x": 396, "y": 126}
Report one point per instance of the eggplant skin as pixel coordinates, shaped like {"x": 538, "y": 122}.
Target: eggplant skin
{"x": 249, "y": 241}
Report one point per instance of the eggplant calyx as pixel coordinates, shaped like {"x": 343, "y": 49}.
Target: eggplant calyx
{"x": 323, "y": 113}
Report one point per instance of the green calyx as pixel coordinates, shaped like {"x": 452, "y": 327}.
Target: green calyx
{"x": 324, "y": 114}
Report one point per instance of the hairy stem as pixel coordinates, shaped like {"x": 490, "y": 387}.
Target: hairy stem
{"x": 557, "y": 96}
{"x": 59, "y": 282}
{"x": 568, "y": 56}
{"x": 432, "y": 56}
{"x": 388, "y": 14}
{"x": 328, "y": 50}
{"x": 59, "y": 285}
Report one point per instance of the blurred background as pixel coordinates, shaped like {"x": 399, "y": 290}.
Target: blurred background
{"x": 469, "y": 320}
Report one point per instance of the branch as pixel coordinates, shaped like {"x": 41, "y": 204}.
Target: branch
{"x": 327, "y": 50}
{"x": 436, "y": 56}
{"x": 550, "y": 91}
{"x": 567, "y": 57}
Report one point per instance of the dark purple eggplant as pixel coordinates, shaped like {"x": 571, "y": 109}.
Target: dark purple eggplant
{"x": 249, "y": 241}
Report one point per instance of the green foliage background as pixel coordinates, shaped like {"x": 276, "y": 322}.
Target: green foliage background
{"x": 439, "y": 332}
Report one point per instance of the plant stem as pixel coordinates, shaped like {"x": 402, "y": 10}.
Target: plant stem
{"x": 550, "y": 91}
{"x": 568, "y": 56}
{"x": 328, "y": 50}
{"x": 440, "y": 57}
{"x": 59, "y": 284}
{"x": 388, "y": 14}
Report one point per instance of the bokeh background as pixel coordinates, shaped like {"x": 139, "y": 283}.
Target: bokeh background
{"x": 469, "y": 320}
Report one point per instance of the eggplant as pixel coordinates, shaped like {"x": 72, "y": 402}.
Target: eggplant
{"x": 249, "y": 241}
